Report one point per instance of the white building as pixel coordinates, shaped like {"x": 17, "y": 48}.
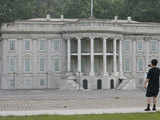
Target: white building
{"x": 76, "y": 53}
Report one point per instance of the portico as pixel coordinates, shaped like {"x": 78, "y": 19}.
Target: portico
{"x": 99, "y": 53}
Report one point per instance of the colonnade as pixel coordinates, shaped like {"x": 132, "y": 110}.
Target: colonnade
{"x": 92, "y": 72}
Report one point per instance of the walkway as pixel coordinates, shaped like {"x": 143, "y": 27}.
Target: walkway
{"x": 35, "y": 102}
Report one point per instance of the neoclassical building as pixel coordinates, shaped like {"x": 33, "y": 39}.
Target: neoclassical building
{"x": 76, "y": 53}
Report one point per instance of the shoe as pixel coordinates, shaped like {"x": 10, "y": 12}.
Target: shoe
{"x": 147, "y": 109}
{"x": 153, "y": 109}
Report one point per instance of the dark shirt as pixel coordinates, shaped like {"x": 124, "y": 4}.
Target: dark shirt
{"x": 153, "y": 76}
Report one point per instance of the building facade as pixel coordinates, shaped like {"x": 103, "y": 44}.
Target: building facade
{"x": 76, "y": 53}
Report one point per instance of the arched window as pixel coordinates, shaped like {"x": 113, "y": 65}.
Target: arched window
{"x": 99, "y": 84}
{"x": 85, "y": 84}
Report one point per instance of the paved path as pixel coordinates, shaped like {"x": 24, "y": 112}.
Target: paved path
{"x": 57, "y": 101}
{"x": 72, "y": 112}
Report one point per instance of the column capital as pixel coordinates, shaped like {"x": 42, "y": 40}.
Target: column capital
{"x": 105, "y": 38}
{"x": 93, "y": 37}
{"x": 78, "y": 38}
{"x": 115, "y": 39}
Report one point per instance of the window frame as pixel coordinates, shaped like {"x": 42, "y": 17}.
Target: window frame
{"x": 44, "y": 64}
{"x": 9, "y": 64}
{"x": 53, "y": 59}
{"x": 138, "y": 49}
{"x": 25, "y": 44}
{"x": 154, "y": 48}
{"x": 10, "y": 44}
{"x": 44, "y": 44}
{"x": 30, "y": 63}
{"x": 137, "y": 64}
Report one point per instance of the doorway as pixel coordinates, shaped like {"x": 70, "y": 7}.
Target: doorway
{"x": 112, "y": 84}
{"x": 85, "y": 84}
{"x": 99, "y": 84}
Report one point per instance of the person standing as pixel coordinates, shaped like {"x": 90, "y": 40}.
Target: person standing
{"x": 152, "y": 89}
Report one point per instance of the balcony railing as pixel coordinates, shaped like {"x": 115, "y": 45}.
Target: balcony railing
{"x": 85, "y": 51}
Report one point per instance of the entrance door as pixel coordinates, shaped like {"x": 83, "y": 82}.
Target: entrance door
{"x": 85, "y": 84}
{"x": 99, "y": 84}
{"x": 112, "y": 84}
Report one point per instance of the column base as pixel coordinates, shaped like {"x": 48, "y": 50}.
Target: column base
{"x": 115, "y": 73}
{"x": 122, "y": 76}
{"x": 91, "y": 73}
{"x": 79, "y": 73}
{"x": 106, "y": 74}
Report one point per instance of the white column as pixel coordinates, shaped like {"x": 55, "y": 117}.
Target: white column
{"x": 120, "y": 57}
{"x": 147, "y": 52}
{"x": 104, "y": 57}
{"x": 4, "y": 79}
{"x": 92, "y": 56}
{"x": 34, "y": 48}
{"x": 79, "y": 55}
{"x": 134, "y": 57}
{"x": 69, "y": 55}
{"x": 114, "y": 56}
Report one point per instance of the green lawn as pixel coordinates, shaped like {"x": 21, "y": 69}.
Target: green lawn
{"x": 144, "y": 116}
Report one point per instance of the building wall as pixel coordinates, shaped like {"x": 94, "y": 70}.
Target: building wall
{"x": 35, "y": 78}
{"x": 1, "y": 62}
{"x": 137, "y": 51}
{"x": 139, "y": 56}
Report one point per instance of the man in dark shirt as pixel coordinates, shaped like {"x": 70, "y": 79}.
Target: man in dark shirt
{"x": 153, "y": 85}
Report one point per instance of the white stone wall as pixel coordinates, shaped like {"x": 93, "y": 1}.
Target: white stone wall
{"x": 35, "y": 31}
{"x": 1, "y": 63}
{"x": 32, "y": 79}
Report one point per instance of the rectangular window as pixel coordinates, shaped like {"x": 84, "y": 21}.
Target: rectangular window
{"x": 126, "y": 46}
{"x": 12, "y": 64}
{"x": 55, "y": 44}
{"x": 42, "y": 44}
{"x": 139, "y": 45}
{"x": 140, "y": 64}
{"x": 55, "y": 64}
{"x": 27, "y": 63}
{"x": 154, "y": 44}
{"x": 12, "y": 44}
{"x": 42, "y": 63}
{"x": 43, "y": 82}
{"x": 27, "y": 44}
{"x": 126, "y": 65}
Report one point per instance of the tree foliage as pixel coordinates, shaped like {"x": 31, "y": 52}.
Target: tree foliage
{"x": 140, "y": 10}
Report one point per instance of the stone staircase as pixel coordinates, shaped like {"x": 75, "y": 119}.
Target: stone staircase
{"x": 127, "y": 84}
{"x": 122, "y": 84}
{"x": 71, "y": 82}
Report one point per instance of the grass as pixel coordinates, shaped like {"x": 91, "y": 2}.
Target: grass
{"x": 135, "y": 116}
